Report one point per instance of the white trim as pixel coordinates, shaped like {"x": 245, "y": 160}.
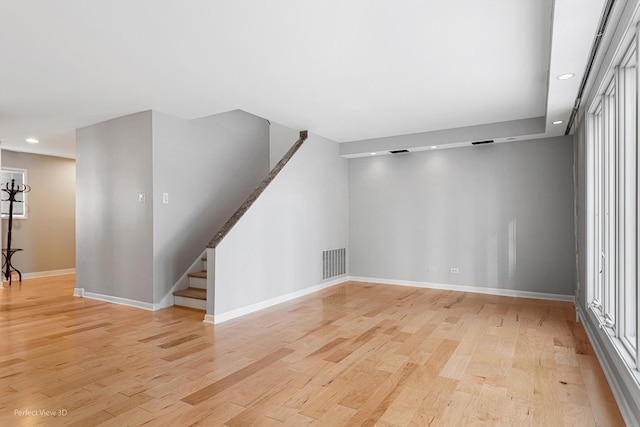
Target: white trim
{"x": 610, "y": 371}
{"x": 49, "y": 273}
{"x": 167, "y": 301}
{"x": 219, "y": 318}
{"x": 198, "y": 282}
{"x": 121, "y": 301}
{"x": 78, "y": 292}
{"x": 198, "y": 304}
{"x": 473, "y": 289}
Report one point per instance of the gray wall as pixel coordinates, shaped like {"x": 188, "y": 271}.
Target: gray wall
{"x": 281, "y": 139}
{"x": 114, "y": 231}
{"x": 502, "y": 214}
{"x": 275, "y": 249}
{"x": 209, "y": 166}
{"x": 48, "y": 234}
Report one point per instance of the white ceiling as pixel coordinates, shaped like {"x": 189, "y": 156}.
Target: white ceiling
{"x": 347, "y": 70}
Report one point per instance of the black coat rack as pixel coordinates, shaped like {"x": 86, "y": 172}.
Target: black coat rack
{"x": 12, "y": 190}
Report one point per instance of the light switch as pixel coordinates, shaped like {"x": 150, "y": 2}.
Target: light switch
{"x": 165, "y": 198}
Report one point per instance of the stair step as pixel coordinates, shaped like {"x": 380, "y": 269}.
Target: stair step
{"x": 198, "y": 280}
{"x": 191, "y": 297}
{"x": 195, "y": 293}
{"x": 199, "y": 275}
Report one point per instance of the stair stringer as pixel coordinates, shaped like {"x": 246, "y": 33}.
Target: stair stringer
{"x": 182, "y": 283}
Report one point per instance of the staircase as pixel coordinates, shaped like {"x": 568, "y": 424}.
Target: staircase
{"x": 195, "y": 296}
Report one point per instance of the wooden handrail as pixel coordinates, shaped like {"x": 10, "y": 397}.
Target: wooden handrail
{"x": 231, "y": 222}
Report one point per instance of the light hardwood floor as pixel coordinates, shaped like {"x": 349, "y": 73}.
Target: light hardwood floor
{"x": 354, "y": 354}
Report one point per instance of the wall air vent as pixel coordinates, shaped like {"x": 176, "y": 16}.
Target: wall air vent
{"x": 334, "y": 263}
{"x": 489, "y": 141}
{"x": 398, "y": 151}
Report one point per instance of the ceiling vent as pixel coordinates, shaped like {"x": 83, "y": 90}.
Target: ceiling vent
{"x": 398, "y": 151}
{"x": 489, "y": 141}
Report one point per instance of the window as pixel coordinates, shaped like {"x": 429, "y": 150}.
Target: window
{"x": 626, "y": 75}
{"x": 608, "y": 205}
{"x": 596, "y": 288}
{"x": 612, "y": 183}
{"x": 20, "y": 178}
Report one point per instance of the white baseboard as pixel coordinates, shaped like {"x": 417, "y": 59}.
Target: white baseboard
{"x": 208, "y": 318}
{"x": 79, "y": 292}
{"x": 219, "y": 318}
{"x": 232, "y": 314}
{"x": 464, "y": 288}
{"x": 166, "y": 301}
{"x": 118, "y": 300}
{"x": 615, "y": 383}
{"x": 37, "y": 274}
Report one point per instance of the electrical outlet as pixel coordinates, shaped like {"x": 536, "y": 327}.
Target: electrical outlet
{"x": 142, "y": 197}
{"x": 455, "y": 270}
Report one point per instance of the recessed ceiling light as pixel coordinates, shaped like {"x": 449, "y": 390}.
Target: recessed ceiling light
{"x": 32, "y": 140}
{"x": 434, "y": 146}
{"x": 558, "y": 122}
{"x": 566, "y": 76}
{"x": 373, "y": 154}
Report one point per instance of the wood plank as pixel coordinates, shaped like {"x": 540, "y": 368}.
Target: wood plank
{"x": 353, "y": 354}
{"x": 231, "y": 379}
{"x": 196, "y": 293}
{"x": 179, "y": 341}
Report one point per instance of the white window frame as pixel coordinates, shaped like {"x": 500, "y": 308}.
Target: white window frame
{"x": 608, "y": 194}
{"x": 594, "y": 203}
{"x": 612, "y": 219}
{"x": 23, "y": 210}
{"x": 627, "y": 75}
